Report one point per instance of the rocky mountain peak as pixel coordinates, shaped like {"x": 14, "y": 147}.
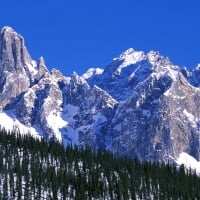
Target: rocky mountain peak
{"x": 57, "y": 75}
{"x": 17, "y": 69}
{"x": 41, "y": 62}
{"x": 197, "y": 67}
{"x": 92, "y": 72}
{"x": 13, "y": 53}
{"x": 77, "y": 79}
{"x": 155, "y": 58}
{"x": 126, "y": 53}
{"x": 125, "y": 59}
{"x": 194, "y": 76}
{"x": 7, "y": 29}
{"x": 41, "y": 68}
{"x": 132, "y": 69}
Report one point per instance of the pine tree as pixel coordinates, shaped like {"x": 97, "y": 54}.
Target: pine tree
{"x": 5, "y": 187}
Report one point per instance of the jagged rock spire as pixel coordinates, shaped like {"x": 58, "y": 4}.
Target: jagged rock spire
{"x": 17, "y": 69}
{"x": 13, "y": 53}
{"x": 42, "y": 69}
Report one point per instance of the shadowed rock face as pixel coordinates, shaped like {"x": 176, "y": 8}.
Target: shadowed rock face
{"x": 13, "y": 60}
{"x": 17, "y": 69}
{"x": 141, "y": 104}
{"x": 13, "y": 53}
{"x": 159, "y": 115}
{"x": 162, "y": 126}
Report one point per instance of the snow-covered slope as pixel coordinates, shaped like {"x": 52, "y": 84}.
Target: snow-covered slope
{"x": 189, "y": 162}
{"x": 130, "y": 69}
{"x": 9, "y": 121}
{"x": 140, "y": 104}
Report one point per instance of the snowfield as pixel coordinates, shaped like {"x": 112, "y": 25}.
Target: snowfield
{"x": 189, "y": 162}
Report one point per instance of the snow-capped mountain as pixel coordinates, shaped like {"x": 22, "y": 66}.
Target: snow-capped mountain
{"x": 140, "y": 104}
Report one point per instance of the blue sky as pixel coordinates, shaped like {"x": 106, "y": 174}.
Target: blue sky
{"x": 74, "y": 35}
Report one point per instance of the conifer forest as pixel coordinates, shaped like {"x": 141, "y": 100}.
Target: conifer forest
{"x": 32, "y": 168}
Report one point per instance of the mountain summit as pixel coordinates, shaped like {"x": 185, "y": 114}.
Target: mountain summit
{"x": 18, "y": 70}
{"x": 14, "y": 54}
{"x": 140, "y": 104}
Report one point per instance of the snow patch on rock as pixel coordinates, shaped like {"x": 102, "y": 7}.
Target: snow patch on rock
{"x": 189, "y": 162}
{"x": 91, "y": 72}
{"x": 9, "y": 121}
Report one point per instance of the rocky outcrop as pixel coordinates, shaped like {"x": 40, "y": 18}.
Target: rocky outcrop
{"x": 158, "y": 114}
{"x": 18, "y": 71}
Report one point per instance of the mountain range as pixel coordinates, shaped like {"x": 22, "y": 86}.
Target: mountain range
{"x": 141, "y": 104}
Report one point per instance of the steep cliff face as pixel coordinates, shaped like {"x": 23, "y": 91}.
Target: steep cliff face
{"x": 140, "y": 104}
{"x": 88, "y": 110}
{"x": 158, "y": 112}
{"x": 18, "y": 71}
{"x": 161, "y": 125}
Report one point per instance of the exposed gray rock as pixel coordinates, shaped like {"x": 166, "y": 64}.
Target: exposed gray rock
{"x": 18, "y": 71}
{"x": 42, "y": 69}
{"x": 94, "y": 111}
{"x": 194, "y": 76}
{"x": 164, "y": 124}
{"x": 13, "y": 53}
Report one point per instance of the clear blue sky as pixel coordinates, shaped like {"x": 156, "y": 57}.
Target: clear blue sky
{"x": 73, "y": 35}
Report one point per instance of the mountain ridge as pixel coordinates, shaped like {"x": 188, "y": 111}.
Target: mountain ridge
{"x": 139, "y": 105}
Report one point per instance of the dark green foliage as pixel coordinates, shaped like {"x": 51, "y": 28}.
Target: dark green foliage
{"x": 33, "y": 169}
